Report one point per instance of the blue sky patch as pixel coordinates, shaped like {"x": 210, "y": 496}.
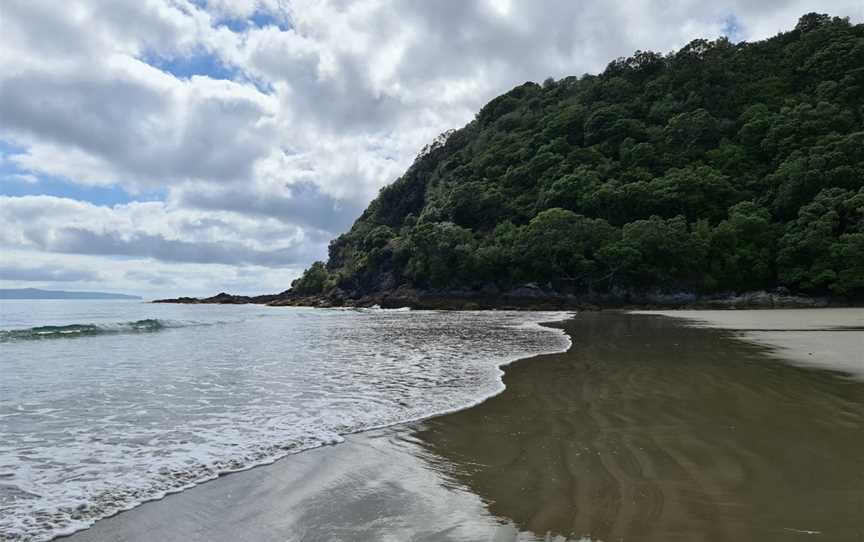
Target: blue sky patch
{"x": 205, "y": 64}
{"x": 13, "y": 183}
{"x": 732, "y": 28}
{"x": 7, "y": 149}
{"x": 53, "y": 186}
{"x": 260, "y": 18}
{"x": 199, "y": 63}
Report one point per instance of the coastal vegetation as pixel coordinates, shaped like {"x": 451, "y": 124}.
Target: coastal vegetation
{"x": 720, "y": 167}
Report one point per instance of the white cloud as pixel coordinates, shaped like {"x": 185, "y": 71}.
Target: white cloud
{"x": 154, "y": 230}
{"x": 11, "y": 272}
{"x": 142, "y": 276}
{"x": 307, "y": 119}
{"x": 125, "y": 122}
{"x": 25, "y": 178}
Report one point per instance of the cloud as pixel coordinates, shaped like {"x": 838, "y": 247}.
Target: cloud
{"x": 266, "y": 126}
{"x": 46, "y": 273}
{"x": 81, "y": 241}
{"x": 25, "y": 178}
{"x": 151, "y": 230}
{"x": 150, "y": 278}
{"x": 131, "y": 124}
{"x": 303, "y": 203}
{"x": 153, "y": 279}
{"x": 382, "y": 78}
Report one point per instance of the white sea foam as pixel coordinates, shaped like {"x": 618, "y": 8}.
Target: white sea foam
{"x": 98, "y": 425}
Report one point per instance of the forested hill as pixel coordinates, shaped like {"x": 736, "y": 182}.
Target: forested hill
{"x": 720, "y": 167}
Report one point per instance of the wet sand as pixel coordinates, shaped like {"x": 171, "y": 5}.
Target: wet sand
{"x": 826, "y": 338}
{"x": 646, "y": 429}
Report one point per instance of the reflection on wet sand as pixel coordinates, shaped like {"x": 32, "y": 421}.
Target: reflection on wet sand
{"x": 646, "y": 430}
{"x": 650, "y": 430}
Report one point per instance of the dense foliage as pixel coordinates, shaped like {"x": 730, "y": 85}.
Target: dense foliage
{"x": 720, "y": 167}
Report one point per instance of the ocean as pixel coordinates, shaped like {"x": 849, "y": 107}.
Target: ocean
{"x": 107, "y": 404}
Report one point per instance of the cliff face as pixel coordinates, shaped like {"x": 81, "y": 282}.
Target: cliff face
{"x": 717, "y": 168}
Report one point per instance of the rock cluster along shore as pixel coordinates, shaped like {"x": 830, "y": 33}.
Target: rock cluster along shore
{"x": 526, "y": 297}
{"x": 223, "y": 299}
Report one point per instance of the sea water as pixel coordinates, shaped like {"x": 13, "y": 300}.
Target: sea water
{"x": 107, "y": 404}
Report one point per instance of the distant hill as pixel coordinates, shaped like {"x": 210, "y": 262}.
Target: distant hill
{"x": 720, "y": 167}
{"x": 33, "y": 293}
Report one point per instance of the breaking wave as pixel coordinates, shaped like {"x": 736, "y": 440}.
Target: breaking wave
{"x": 89, "y": 428}
{"x": 78, "y": 330}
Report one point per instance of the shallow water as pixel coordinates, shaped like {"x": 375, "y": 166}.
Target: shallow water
{"x": 106, "y": 404}
{"x": 645, "y": 430}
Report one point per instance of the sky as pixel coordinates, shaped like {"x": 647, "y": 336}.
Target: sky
{"x": 188, "y": 147}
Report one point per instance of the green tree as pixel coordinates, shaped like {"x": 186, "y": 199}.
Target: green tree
{"x": 662, "y": 253}
{"x": 743, "y": 249}
{"x": 475, "y": 205}
{"x": 312, "y": 280}
{"x": 561, "y": 247}
{"x": 694, "y": 192}
{"x": 440, "y": 254}
{"x": 823, "y": 249}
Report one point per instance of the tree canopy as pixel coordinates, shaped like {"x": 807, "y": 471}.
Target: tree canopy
{"x": 719, "y": 167}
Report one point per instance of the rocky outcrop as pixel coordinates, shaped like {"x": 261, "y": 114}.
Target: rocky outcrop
{"x": 755, "y": 300}
{"x": 533, "y": 297}
{"x": 222, "y": 299}
{"x": 524, "y": 297}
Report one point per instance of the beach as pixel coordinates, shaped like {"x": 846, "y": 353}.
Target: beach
{"x": 648, "y": 428}
{"x": 824, "y": 338}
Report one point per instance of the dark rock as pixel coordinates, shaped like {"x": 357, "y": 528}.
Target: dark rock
{"x": 186, "y": 300}
{"x": 490, "y": 289}
{"x": 526, "y": 290}
{"x": 524, "y": 297}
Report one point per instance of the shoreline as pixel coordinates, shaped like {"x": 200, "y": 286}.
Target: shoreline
{"x": 552, "y": 327}
{"x": 462, "y": 451}
{"x": 823, "y": 342}
{"x": 532, "y": 297}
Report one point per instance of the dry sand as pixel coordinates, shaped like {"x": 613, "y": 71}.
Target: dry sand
{"x": 826, "y": 338}
{"x": 648, "y": 429}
